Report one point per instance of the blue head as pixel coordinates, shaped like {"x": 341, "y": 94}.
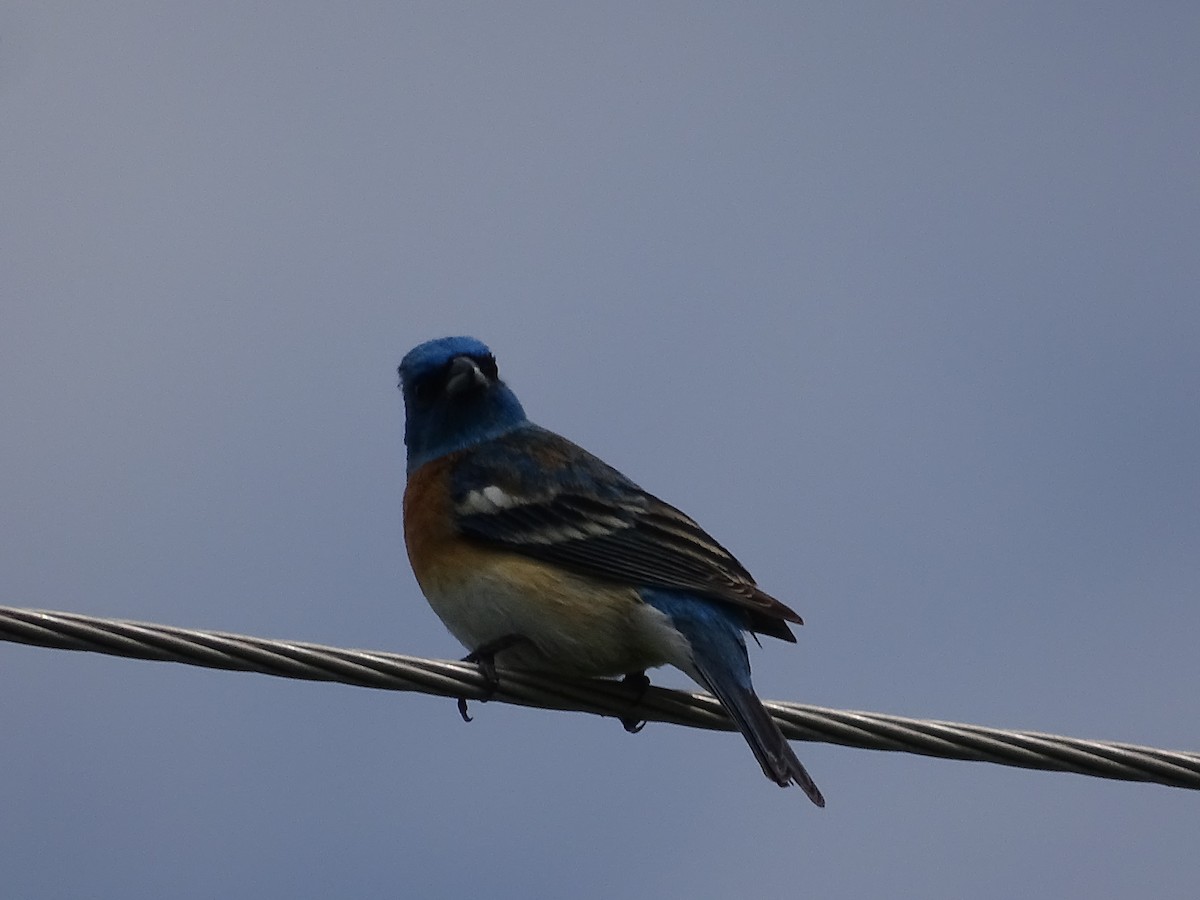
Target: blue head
{"x": 453, "y": 398}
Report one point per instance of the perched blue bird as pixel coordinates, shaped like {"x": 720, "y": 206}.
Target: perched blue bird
{"x": 536, "y": 553}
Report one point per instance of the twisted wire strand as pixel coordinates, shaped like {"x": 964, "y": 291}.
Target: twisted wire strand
{"x": 392, "y": 671}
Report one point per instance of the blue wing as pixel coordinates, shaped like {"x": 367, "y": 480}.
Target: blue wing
{"x": 536, "y": 493}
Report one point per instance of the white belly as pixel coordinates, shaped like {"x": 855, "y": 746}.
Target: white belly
{"x": 573, "y": 625}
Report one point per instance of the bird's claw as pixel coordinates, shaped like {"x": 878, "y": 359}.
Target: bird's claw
{"x": 484, "y": 656}
{"x": 639, "y": 684}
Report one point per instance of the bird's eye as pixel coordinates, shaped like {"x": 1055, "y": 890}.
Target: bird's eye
{"x": 425, "y": 390}
{"x": 487, "y": 365}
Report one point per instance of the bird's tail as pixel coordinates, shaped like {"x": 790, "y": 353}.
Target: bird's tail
{"x": 717, "y": 660}
{"x": 771, "y": 749}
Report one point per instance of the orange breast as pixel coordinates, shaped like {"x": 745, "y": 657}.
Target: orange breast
{"x": 428, "y": 530}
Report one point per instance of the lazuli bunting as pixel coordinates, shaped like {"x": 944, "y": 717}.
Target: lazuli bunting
{"x": 536, "y": 553}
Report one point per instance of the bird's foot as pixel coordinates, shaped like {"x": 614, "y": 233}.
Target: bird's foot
{"x": 484, "y": 656}
{"x": 639, "y": 684}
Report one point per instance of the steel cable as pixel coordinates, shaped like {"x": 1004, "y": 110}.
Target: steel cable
{"x": 391, "y": 671}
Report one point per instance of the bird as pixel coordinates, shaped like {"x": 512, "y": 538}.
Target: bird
{"x": 536, "y": 554}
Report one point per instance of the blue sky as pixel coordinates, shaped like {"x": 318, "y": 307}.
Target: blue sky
{"x": 900, "y": 302}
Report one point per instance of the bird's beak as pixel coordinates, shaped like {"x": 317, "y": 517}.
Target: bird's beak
{"x": 464, "y": 376}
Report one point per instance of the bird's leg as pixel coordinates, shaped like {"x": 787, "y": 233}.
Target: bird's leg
{"x": 484, "y": 656}
{"x": 639, "y": 684}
